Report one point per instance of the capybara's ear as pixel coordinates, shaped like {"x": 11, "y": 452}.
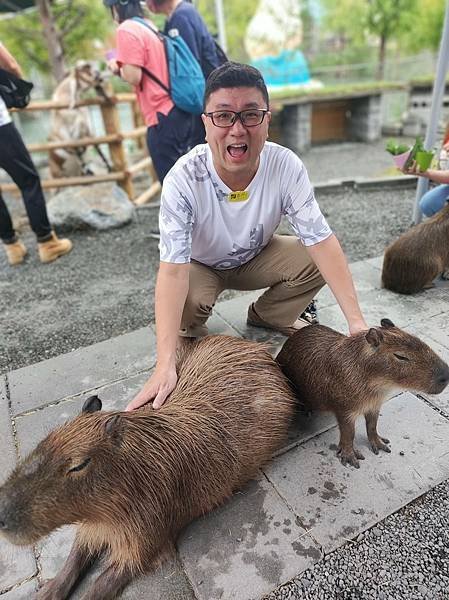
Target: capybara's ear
{"x": 387, "y": 323}
{"x": 114, "y": 428}
{"x": 374, "y": 337}
{"x": 92, "y": 404}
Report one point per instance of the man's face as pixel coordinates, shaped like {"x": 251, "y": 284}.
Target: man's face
{"x": 236, "y": 149}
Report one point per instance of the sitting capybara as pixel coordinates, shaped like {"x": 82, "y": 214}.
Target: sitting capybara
{"x": 352, "y": 376}
{"x": 132, "y": 480}
{"x": 417, "y": 257}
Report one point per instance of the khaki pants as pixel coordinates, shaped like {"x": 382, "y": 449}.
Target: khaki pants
{"x": 283, "y": 266}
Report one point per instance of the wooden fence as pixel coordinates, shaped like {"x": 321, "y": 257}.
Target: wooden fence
{"x": 122, "y": 172}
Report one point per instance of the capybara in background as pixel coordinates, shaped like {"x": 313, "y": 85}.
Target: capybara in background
{"x": 418, "y": 256}
{"x": 132, "y": 480}
{"x": 352, "y": 376}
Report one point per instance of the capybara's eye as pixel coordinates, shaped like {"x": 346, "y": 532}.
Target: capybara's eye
{"x": 80, "y": 466}
{"x": 400, "y": 357}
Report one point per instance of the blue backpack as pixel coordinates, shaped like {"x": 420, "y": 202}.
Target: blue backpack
{"x": 186, "y": 80}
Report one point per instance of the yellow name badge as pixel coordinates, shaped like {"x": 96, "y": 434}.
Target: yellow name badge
{"x": 238, "y": 196}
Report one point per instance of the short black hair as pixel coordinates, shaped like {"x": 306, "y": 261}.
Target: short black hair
{"x": 131, "y": 9}
{"x": 233, "y": 74}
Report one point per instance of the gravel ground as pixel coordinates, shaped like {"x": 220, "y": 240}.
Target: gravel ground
{"x": 405, "y": 557}
{"x": 104, "y": 287}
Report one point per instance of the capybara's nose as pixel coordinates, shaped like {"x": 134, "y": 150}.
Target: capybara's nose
{"x": 443, "y": 377}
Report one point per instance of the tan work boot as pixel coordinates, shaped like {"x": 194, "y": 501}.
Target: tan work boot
{"x": 53, "y": 248}
{"x": 15, "y": 252}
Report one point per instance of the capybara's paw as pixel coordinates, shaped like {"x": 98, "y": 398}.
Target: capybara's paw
{"x": 379, "y": 443}
{"x": 349, "y": 457}
{"x": 50, "y": 590}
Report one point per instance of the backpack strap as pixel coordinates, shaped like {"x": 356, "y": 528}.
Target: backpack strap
{"x": 144, "y": 69}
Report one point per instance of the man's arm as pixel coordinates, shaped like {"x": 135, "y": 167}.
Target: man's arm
{"x": 331, "y": 261}
{"x": 131, "y": 74}
{"x": 9, "y": 63}
{"x": 170, "y": 295}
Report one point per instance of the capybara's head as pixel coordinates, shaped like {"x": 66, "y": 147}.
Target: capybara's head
{"x": 404, "y": 360}
{"x": 58, "y": 482}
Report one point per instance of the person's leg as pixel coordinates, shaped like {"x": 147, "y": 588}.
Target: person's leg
{"x": 14, "y": 248}
{"x": 18, "y": 164}
{"x": 169, "y": 140}
{"x": 7, "y": 233}
{"x": 292, "y": 279}
{"x": 434, "y": 200}
{"x": 205, "y": 284}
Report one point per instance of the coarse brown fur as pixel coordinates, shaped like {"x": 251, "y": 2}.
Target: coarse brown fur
{"x": 417, "y": 257}
{"x": 132, "y": 480}
{"x": 353, "y": 376}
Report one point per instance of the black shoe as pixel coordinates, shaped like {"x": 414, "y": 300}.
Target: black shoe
{"x": 310, "y": 314}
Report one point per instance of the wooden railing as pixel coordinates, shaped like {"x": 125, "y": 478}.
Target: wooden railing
{"x": 122, "y": 172}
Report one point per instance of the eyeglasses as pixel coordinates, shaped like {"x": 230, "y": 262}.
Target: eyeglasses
{"x": 226, "y": 118}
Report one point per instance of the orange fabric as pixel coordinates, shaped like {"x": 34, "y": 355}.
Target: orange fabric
{"x": 138, "y": 46}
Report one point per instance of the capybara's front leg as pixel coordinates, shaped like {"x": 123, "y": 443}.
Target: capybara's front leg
{"x": 109, "y": 584}
{"x": 346, "y": 451}
{"x": 76, "y": 565}
{"x": 376, "y": 442}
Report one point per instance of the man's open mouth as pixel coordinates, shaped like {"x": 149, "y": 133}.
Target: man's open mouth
{"x": 237, "y": 150}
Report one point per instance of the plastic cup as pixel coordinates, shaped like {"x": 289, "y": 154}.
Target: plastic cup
{"x": 401, "y": 159}
{"x": 423, "y": 159}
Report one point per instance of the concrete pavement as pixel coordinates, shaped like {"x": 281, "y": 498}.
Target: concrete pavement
{"x": 303, "y": 505}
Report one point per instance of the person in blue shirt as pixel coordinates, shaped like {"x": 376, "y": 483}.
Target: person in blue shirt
{"x": 185, "y": 20}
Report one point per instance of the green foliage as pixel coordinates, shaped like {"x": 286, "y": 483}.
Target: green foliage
{"x": 338, "y": 23}
{"x": 86, "y": 23}
{"x": 386, "y": 18}
{"x": 394, "y": 148}
{"x": 424, "y": 26}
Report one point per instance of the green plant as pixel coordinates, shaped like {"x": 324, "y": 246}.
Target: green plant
{"x": 394, "y": 148}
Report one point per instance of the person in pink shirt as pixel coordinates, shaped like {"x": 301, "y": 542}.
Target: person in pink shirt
{"x": 169, "y": 132}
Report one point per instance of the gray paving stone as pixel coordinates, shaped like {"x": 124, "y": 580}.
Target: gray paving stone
{"x": 306, "y": 426}
{"x": 168, "y": 581}
{"x": 25, "y": 591}
{"x": 33, "y": 427}
{"x": 16, "y": 565}
{"x": 366, "y": 277}
{"x": 436, "y": 327}
{"x": 7, "y": 451}
{"x": 336, "y": 503}
{"x": 247, "y": 547}
{"x": 81, "y": 370}
{"x": 217, "y": 326}
{"x": 376, "y": 262}
{"x": 380, "y": 303}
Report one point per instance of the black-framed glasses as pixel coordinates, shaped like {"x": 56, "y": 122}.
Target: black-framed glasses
{"x": 226, "y": 118}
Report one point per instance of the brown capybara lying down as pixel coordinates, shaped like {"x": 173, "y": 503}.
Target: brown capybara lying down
{"x": 353, "y": 376}
{"x": 418, "y": 256}
{"x": 132, "y": 480}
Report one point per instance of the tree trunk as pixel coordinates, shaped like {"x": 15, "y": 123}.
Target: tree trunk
{"x": 382, "y": 52}
{"x": 52, "y": 39}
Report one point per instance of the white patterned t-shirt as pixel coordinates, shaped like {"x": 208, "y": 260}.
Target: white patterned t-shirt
{"x": 198, "y": 221}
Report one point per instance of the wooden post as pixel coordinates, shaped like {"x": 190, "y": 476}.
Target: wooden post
{"x": 137, "y": 122}
{"x": 112, "y": 126}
